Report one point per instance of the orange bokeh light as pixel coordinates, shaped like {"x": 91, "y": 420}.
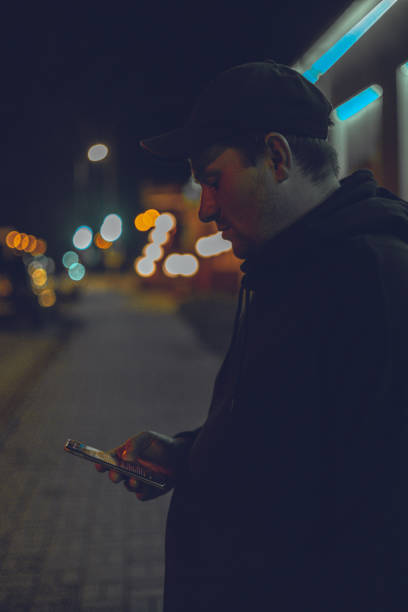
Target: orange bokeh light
{"x": 24, "y": 242}
{"x": 100, "y": 242}
{"x": 146, "y": 220}
{"x": 40, "y": 247}
{"x": 32, "y": 243}
{"x": 10, "y": 239}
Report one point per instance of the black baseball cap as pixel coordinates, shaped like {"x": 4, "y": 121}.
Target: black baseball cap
{"x": 254, "y": 96}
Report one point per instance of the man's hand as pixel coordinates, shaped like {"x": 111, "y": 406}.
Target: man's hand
{"x": 153, "y": 451}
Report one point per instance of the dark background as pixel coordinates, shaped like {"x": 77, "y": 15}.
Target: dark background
{"x": 74, "y": 74}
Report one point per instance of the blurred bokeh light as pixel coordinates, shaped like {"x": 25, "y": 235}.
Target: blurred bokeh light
{"x": 146, "y": 220}
{"x": 47, "y": 298}
{"x": 69, "y": 258}
{"x": 153, "y": 251}
{"x": 97, "y": 152}
{"x": 208, "y": 246}
{"x": 82, "y": 237}
{"x": 76, "y": 271}
{"x": 111, "y": 228}
{"x": 100, "y": 242}
{"x": 144, "y": 266}
{"x": 180, "y": 265}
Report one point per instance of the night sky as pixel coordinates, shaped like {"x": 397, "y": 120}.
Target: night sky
{"x": 74, "y": 74}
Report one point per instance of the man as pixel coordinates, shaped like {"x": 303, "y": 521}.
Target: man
{"x": 292, "y": 494}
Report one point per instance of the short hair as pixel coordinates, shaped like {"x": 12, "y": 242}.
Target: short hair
{"x": 316, "y": 157}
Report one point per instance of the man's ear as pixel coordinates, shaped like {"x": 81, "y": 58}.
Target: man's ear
{"x": 278, "y": 155}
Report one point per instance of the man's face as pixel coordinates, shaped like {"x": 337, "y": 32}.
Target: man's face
{"x": 235, "y": 195}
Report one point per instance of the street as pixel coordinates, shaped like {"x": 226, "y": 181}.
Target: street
{"x": 69, "y": 538}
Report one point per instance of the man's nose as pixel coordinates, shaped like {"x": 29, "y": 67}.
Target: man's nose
{"x": 208, "y": 206}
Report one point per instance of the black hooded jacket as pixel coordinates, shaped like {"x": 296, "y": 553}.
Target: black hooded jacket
{"x": 293, "y": 495}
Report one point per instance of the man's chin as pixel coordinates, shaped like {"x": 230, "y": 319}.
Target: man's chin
{"x": 240, "y": 251}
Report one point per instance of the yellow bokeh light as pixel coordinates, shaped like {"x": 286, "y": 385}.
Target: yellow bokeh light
{"x": 140, "y": 223}
{"x": 150, "y": 216}
{"x": 47, "y": 298}
{"x": 39, "y": 277}
{"x": 146, "y": 220}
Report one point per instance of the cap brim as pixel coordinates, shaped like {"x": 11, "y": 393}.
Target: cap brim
{"x": 174, "y": 145}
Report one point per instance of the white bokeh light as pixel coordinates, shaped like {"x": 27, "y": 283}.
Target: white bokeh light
{"x": 181, "y": 265}
{"x": 82, "y": 237}
{"x": 208, "y": 246}
{"x": 111, "y": 228}
{"x": 97, "y": 152}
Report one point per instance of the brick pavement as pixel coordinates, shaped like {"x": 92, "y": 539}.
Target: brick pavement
{"x": 69, "y": 538}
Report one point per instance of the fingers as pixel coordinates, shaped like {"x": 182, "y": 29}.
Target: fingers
{"x": 137, "y": 487}
{"x": 115, "y": 477}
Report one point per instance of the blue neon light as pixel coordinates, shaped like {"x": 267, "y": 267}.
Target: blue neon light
{"x": 328, "y": 59}
{"x": 358, "y": 102}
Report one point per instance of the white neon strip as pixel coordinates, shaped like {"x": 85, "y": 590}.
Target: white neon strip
{"x": 328, "y": 59}
{"x": 358, "y": 102}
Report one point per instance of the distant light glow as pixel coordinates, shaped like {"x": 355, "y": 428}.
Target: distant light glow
{"x": 40, "y": 247}
{"x": 39, "y": 277}
{"x": 76, "y": 271}
{"x": 69, "y": 258}
{"x": 165, "y": 222}
{"x": 159, "y": 236}
{"x": 144, "y": 267}
{"x": 208, "y": 246}
{"x": 332, "y": 55}
{"x": 11, "y": 236}
{"x": 146, "y": 220}
{"x": 153, "y": 251}
{"x": 32, "y": 243}
{"x": 82, "y": 237}
{"x": 101, "y": 243}
{"x": 111, "y": 228}
{"x": 24, "y": 242}
{"x": 181, "y": 265}
{"x": 6, "y": 288}
{"x": 97, "y": 152}
{"x": 47, "y": 298}
{"x": 358, "y": 102}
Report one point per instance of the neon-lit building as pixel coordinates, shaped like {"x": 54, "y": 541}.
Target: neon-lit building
{"x": 360, "y": 64}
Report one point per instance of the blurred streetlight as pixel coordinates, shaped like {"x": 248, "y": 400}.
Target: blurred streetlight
{"x": 97, "y": 152}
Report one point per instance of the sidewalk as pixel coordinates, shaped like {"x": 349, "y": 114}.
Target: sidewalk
{"x": 24, "y": 353}
{"x": 70, "y": 540}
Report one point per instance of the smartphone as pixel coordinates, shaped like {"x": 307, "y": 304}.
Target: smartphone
{"x": 132, "y": 470}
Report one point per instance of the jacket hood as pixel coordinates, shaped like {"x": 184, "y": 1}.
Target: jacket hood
{"x": 357, "y": 207}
